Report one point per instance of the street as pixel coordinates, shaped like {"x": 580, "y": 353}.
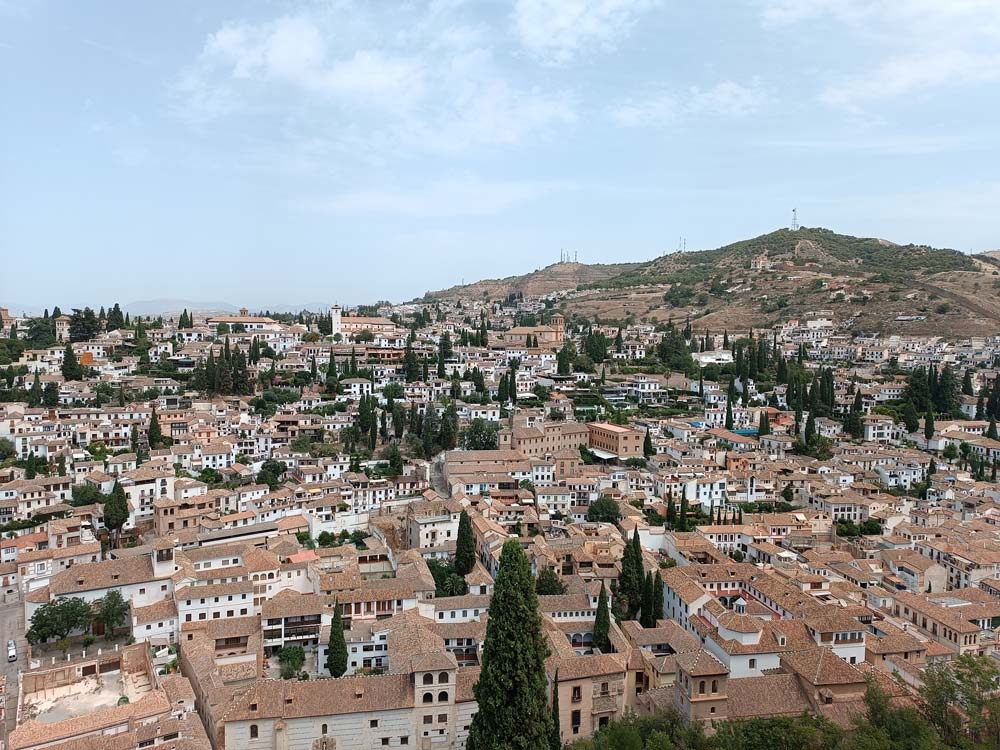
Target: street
{"x": 12, "y": 626}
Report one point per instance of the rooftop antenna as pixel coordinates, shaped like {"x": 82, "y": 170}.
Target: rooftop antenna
{"x": 795, "y": 220}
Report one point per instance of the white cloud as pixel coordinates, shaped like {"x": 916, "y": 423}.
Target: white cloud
{"x": 442, "y": 199}
{"x": 724, "y": 99}
{"x": 913, "y": 74}
{"x": 430, "y": 84}
{"x": 557, "y": 31}
{"x": 923, "y": 45}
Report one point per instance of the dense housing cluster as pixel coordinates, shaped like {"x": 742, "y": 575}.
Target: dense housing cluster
{"x": 338, "y": 529}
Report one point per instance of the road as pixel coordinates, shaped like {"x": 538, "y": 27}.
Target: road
{"x": 12, "y": 626}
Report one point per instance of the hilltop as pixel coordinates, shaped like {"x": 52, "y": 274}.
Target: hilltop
{"x": 870, "y": 284}
{"x": 557, "y": 277}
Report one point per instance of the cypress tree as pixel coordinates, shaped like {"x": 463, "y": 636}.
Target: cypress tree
{"x": 512, "y": 689}
{"x": 764, "y": 428}
{"x": 647, "y": 445}
{"x": 729, "y": 414}
{"x": 465, "y": 546}
{"x": 671, "y": 510}
{"x": 657, "y": 598}
{"x": 682, "y": 519}
{"x": 336, "y": 649}
{"x": 71, "y": 369}
{"x": 602, "y": 622}
{"x": 648, "y": 619}
{"x": 929, "y": 424}
{"x": 154, "y": 435}
{"x": 555, "y": 739}
{"x": 991, "y": 431}
{"x": 116, "y": 512}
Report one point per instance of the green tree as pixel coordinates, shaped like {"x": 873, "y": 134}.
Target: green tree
{"x": 548, "y": 583}
{"x": 50, "y": 395}
{"x": 512, "y": 689}
{"x": 154, "y": 435}
{"x": 112, "y": 610}
{"x": 647, "y": 445}
{"x": 116, "y": 512}
{"x": 603, "y": 510}
{"x": 465, "y": 546}
{"x": 555, "y": 737}
{"x": 71, "y": 368}
{"x": 336, "y": 647}
{"x": 602, "y": 622}
{"x": 292, "y": 659}
{"x": 648, "y": 617}
{"x": 764, "y": 426}
{"x": 929, "y": 424}
{"x": 58, "y": 618}
{"x": 657, "y": 598}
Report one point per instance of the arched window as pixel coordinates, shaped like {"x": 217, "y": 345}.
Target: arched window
{"x": 701, "y": 687}
{"x": 428, "y": 697}
{"x": 443, "y": 678}
{"x": 443, "y": 696}
{"x": 428, "y": 679}
{"x": 715, "y": 686}
{"x": 253, "y": 731}
{"x": 323, "y": 729}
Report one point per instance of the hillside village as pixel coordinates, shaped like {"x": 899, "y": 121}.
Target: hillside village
{"x": 258, "y": 530}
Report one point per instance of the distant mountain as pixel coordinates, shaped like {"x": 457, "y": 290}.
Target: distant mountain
{"x": 167, "y": 306}
{"x": 555, "y": 278}
{"x": 175, "y": 306}
{"x": 872, "y": 285}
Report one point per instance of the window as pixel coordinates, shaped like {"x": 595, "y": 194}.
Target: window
{"x": 575, "y": 721}
{"x": 428, "y": 679}
{"x": 428, "y": 698}
{"x": 442, "y": 718}
{"x": 385, "y": 741}
{"x": 428, "y": 719}
{"x": 322, "y": 729}
{"x": 404, "y": 740}
{"x": 253, "y": 731}
{"x": 753, "y": 664}
{"x": 701, "y": 687}
{"x": 715, "y": 686}
{"x": 373, "y": 723}
{"x": 577, "y": 694}
{"x": 443, "y": 678}
{"x": 443, "y": 696}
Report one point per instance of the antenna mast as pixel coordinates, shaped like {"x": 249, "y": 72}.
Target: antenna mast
{"x": 795, "y": 220}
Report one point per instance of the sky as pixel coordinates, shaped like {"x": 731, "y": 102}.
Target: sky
{"x": 266, "y": 153}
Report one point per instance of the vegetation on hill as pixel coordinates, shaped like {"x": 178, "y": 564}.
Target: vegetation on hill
{"x": 816, "y": 245}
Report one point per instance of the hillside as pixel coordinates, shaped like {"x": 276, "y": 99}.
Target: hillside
{"x": 866, "y": 283}
{"x": 555, "y": 278}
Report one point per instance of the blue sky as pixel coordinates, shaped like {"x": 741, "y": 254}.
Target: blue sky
{"x": 286, "y": 152}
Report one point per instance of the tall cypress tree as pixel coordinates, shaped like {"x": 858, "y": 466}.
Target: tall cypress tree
{"x": 657, "y": 598}
{"x": 648, "y": 619}
{"x": 929, "y": 424}
{"x": 602, "y": 622}
{"x": 682, "y": 519}
{"x": 154, "y": 434}
{"x": 465, "y": 546}
{"x": 555, "y": 739}
{"x": 512, "y": 689}
{"x": 116, "y": 512}
{"x": 336, "y": 649}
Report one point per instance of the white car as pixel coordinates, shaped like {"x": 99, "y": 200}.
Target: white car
{"x": 11, "y": 651}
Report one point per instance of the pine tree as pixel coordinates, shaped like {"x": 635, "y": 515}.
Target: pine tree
{"x": 602, "y": 622}
{"x": 336, "y": 648}
{"x": 512, "y": 689}
{"x": 465, "y": 546}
